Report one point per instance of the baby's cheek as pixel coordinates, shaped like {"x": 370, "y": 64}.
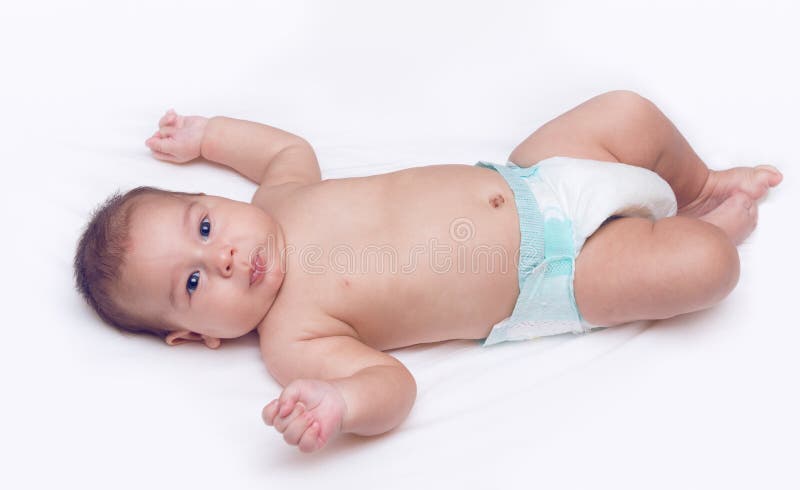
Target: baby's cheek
{"x": 229, "y": 311}
{"x": 239, "y": 311}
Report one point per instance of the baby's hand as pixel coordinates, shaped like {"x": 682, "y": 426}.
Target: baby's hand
{"x": 308, "y": 413}
{"x": 178, "y": 137}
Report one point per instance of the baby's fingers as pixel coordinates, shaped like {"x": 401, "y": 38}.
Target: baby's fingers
{"x": 161, "y": 145}
{"x": 269, "y": 412}
{"x": 167, "y": 131}
{"x": 310, "y": 440}
{"x": 297, "y": 427}
{"x": 169, "y": 118}
{"x": 282, "y": 423}
{"x": 165, "y": 157}
{"x": 288, "y": 398}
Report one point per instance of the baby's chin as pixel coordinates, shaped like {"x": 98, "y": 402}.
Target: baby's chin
{"x": 253, "y": 325}
{"x": 243, "y": 332}
{"x": 268, "y": 288}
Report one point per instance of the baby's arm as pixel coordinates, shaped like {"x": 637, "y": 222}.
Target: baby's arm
{"x": 335, "y": 384}
{"x": 262, "y": 153}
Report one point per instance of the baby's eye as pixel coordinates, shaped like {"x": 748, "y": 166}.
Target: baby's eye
{"x": 194, "y": 280}
{"x": 205, "y": 228}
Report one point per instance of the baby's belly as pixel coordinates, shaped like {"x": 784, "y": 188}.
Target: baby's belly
{"x": 397, "y": 311}
{"x": 440, "y": 264}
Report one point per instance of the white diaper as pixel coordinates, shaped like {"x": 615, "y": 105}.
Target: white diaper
{"x": 587, "y": 192}
{"x": 562, "y": 201}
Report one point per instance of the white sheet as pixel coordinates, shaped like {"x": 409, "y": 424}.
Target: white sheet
{"x": 704, "y": 400}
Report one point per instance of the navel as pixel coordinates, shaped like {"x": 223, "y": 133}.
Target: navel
{"x": 497, "y": 200}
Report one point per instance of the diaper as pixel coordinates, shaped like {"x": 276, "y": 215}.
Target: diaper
{"x": 561, "y": 201}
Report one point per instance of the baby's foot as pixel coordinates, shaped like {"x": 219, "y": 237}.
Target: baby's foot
{"x": 737, "y": 216}
{"x": 754, "y": 182}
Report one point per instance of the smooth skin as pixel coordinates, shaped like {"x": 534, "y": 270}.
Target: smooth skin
{"x": 323, "y": 335}
{"x": 684, "y": 263}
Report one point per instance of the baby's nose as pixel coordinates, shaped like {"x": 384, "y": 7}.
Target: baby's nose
{"x": 224, "y": 260}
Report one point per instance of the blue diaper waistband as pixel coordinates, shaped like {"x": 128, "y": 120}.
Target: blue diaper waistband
{"x": 546, "y": 303}
{"x": 531, "y": 222}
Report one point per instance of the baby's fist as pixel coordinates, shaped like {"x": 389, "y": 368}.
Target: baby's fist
{"x": 178, "y": 138}
{"x": 308, "y": 413}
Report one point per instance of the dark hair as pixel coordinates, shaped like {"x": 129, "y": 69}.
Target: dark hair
{"x": 101, "y": 253}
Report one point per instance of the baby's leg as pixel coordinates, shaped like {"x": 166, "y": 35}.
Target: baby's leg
{"x": 637, "y": 269}
{"x": 622, "y": 126}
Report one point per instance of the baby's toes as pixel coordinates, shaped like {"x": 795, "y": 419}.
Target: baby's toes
{"x": 757, "y": 181}
{"x": 772, "y": 175}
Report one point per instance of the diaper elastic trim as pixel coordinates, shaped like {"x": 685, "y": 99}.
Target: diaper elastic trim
{"x": 547, "y": 253}
{"x": 531, "y": 222}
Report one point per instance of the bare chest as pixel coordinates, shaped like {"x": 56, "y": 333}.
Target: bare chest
{"x": 424, "y": 256}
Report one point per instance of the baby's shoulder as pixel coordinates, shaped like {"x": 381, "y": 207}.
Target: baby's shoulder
{"x": 286, "y": 323}
{"x": 285, "y": 335}
{"x": 271, "y": 197}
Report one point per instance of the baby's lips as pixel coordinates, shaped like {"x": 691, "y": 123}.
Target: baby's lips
{"x": 258, "y": 265}
{"x": 258, "y": 261}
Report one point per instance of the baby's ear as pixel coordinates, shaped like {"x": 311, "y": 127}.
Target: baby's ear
{"x": 182, "y": 336}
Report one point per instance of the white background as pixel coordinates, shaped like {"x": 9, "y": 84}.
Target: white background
{"x": 701, "y": 401}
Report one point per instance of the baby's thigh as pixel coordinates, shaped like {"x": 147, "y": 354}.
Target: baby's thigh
{"x": 637, "y": 269}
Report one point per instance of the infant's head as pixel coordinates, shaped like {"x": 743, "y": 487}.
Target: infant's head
{"x": 181, "y": 266}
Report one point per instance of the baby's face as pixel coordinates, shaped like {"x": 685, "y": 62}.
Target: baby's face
{"x": 202, "y": 263}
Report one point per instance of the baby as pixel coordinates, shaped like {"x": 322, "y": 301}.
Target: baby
{"x": 331, "y": 273}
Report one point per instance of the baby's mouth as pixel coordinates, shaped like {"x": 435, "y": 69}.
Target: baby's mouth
{"x": 258, "y": 265}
